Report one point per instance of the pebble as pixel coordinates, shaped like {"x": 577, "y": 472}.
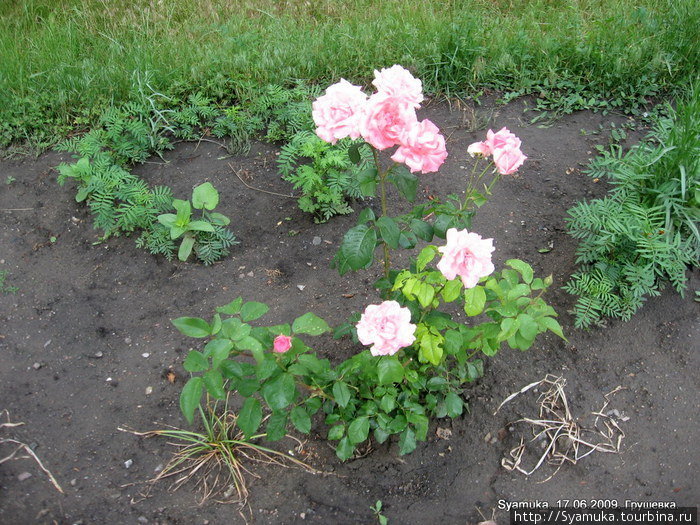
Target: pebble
{"x": 24, "y": 475}
{"x": 142, "y": 519}
{"x": 47, "y": 343}
{"x": 316, "y": 241}
{"x": 128, "y": 463}
{"x": 36, "y": 366}
{"x": 149, "y": 390}
{"x": 127, "y": 340}
{"x": 98, "y": 354}
{"x": 145, "y": 354}
{"x": 73, "y": 482}
{"x": 301, "y": 287}
{"x": 250, "y": 274}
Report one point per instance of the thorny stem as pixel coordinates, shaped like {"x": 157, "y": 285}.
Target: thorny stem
{"x": 382, "y": 185}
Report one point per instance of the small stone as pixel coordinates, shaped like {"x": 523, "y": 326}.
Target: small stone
{"x": 489, "y": 522}
{"x": 250, "y": 274}
{"x": 502, "y": 434}
{"x": 127, "y": 340}
{"x": 302, "y": 515}
{"x": 36, "y": 366}
{"x": 142, "y": 519}
{"x": 108, "y": 379}
{"x": 99, "y": 354}
{"x": 158, "y": 468}
{"x": 128, "y": 463}
{"x": 47, "y": 343}
{"x": 241, "y": 276}
{"x": 149, "y": 390}
{"x": 145, "y": 354}
{"x": 487, "y": 437}
{"x": 316, "y": 241}
{"x": 24, "y": 476}
{"x": 73, "y": 482}
{"x": 301, "y": 287}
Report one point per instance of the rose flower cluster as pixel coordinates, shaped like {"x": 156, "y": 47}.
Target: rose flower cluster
{"x": 385, "y": 119}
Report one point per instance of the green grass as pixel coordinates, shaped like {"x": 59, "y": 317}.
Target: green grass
{"x": 63, "y": 61}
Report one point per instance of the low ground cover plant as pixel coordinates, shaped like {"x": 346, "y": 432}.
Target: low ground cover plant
{"x": 644, "y": 233}
{"x": 420, "y": 358}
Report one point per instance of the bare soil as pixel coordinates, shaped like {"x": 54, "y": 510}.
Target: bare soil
{"x": 88, "y": 332}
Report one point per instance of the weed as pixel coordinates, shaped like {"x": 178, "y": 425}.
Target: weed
{"x": 377, "y": 509}
{"x": 6, "y": 288}
{"x": 9, "y": 180}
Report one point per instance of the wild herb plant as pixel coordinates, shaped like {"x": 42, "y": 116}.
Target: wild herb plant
{"x": 4, "y": 287}
{"x": 645, "y": 232}
{"x": 323, "y": 173}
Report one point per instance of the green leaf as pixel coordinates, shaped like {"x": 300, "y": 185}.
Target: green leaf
{"x": 216, "y": 324}
{"x": 250, "y": 416}
{"x": 190, "y": 396}
{"x": 552, "y": 325}
{"x": 345, "y": 449}
{"x": 231, "y": 370}
{"x": 231, "y": 308}
{"x": 528, "y": 327}
{"x": 407, "y": 441}
{"x": 249, "y": 343}
{"x": 336, "y": 432}
{"x": 247, "y": 387}
{"x": 358, "y": 430}
{"x": 205, "y": 196}
{"x": 185, "y": 247}
{"x": 192, "y": 326}
{"x": 521, "y": 267}
{"x": 310, "y": 324}
{"x": 354, "y": 153}
{"x": 252, "y": 311}
{"x": 389, "y": 231}
{"x": 454, "y": 405}
{"x": 234, "y": 329}
{"x": 422, "y": 229}
{"x": 358, "y": 246}
{"x": 442, "y": 224}
{"x": 453, "y": 342}
{"x": 436, "y": 383}
{"x": 388, "y": 403}
{"x": 276, "y": 426}
{"x": 366, "y": 216}
{"x": 426, "y": 255}
{"x": 280, "y": 392}
{"x": 474, "y": 300}
{"x": 214, "y": 384}
{"x": 218, "y": 350}
{"x": 219, "y": 219}
{"x": 389, "y": 370}
{"x": 367, "y": 180}
{"x": 301, "y": 420}
{"x": 509, "y": 327}
{"x": 452, "y": 290}
{"x": 196, "y": 362}
{"x": 200, "y": 226}
{"x": 266, "y": 368}
{"x": 519, "y": 290}
{"x": 425, "y": 294}
{"x": 167, "y": 219}
{"x": 406, "y": 182}
{"x": 341, "y": 394}
{"x": 430, "y": 349}
{"x": 184, "y": 211}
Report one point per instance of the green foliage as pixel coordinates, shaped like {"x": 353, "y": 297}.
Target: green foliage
{"x": 6, "y": 288}
{"x": 645, "y": 232}
{"x": 366, "y": 397}
{"x": 323, "y": 173}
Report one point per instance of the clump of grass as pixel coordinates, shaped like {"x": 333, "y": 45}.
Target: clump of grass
{"x": 218, "y": 460}
{"x": 62, "y": 63}
{"x": 6, "y": 288}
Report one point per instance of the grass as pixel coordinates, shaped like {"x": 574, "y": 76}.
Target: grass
{"x": 63, "y": 61}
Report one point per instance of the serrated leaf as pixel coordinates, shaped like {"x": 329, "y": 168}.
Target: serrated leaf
{"x": 389, "y": 231}
{"x": 426, "y": 255}
{"x": 192, "y": 326}
{"x": 280, "y": 392}
{"x": 430, "y": 349}
{"x": 523, "y": 268}
{"x": 276, "y": 426}
{"x": 250, "y": 416}
{"x": 358, "y": 246}
{"x": 190, "y": 397}
{"x": 366, "y": 216}
{"x": 218, "y": 350}
{"x": 552, "y": 325}
{"x": 252, "y": 310}
{"x": 389, "y": 370}
{"x": 367, "y": 180}
{"x": 344, "y": 449}
{"x": 336, "y": 432}
{"x": 388, "y": 403}
{"x": 474, "y": 300}
{"x": 196, "y": 362}
{"x": 341, "y": 394}
{"x": 452, "y": 290}
{"x": 310, "y": 324}
{"x": 358, "y": 430}
{"x": 301, "y": 420}
{"x": 407, "y": 441}
{"x": 422, "y": 229}
{"x": 231, "y": 308}
{"x": 454, "y": 405}
{"x": 406, "y": 182}
{"x": 528, "y": 326}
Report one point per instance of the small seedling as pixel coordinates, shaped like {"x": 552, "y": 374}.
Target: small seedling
{"x": 377, "y": 509}
{"x": 9, "y": 180}
{"x": 6, "y": 288}
{"x": 205, "y": 198}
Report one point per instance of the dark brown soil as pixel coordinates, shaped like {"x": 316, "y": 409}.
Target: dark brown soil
{"x": 78, "y": 300}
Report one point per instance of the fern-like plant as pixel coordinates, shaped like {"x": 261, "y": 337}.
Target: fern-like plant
{"x": 645, "y": 232}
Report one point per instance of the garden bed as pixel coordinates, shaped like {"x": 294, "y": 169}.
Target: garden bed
{"x": 87, "y": 335}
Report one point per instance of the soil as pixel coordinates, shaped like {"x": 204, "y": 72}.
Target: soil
{"x": 88, "y": 332}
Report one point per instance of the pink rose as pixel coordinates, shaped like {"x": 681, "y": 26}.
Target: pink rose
{"x": 502, "y": 139}
{"x": 282, "y": 344}
{"x": 467, "y": 255}
{"x": 479, "y": 148}
{"x": 397, "y": 82}
{"x": 508, "y": 160}
{"x": 337, "y": 113}
{"x": 387, "y": 327}
{"x": 422, "y": 148}
{"x": 385, "y": 120}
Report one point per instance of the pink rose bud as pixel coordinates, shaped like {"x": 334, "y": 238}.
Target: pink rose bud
{"x": 398, "y": 82}
{"x": 337, "y": 113}
{"x": 387, "y": 327}
{"x": 282, "y": 344}
{"x": 422, "y": 148}
{"x": 466, "y": 255}
{"x": 385, "y": 120}
{"x": 508, "y": 160}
